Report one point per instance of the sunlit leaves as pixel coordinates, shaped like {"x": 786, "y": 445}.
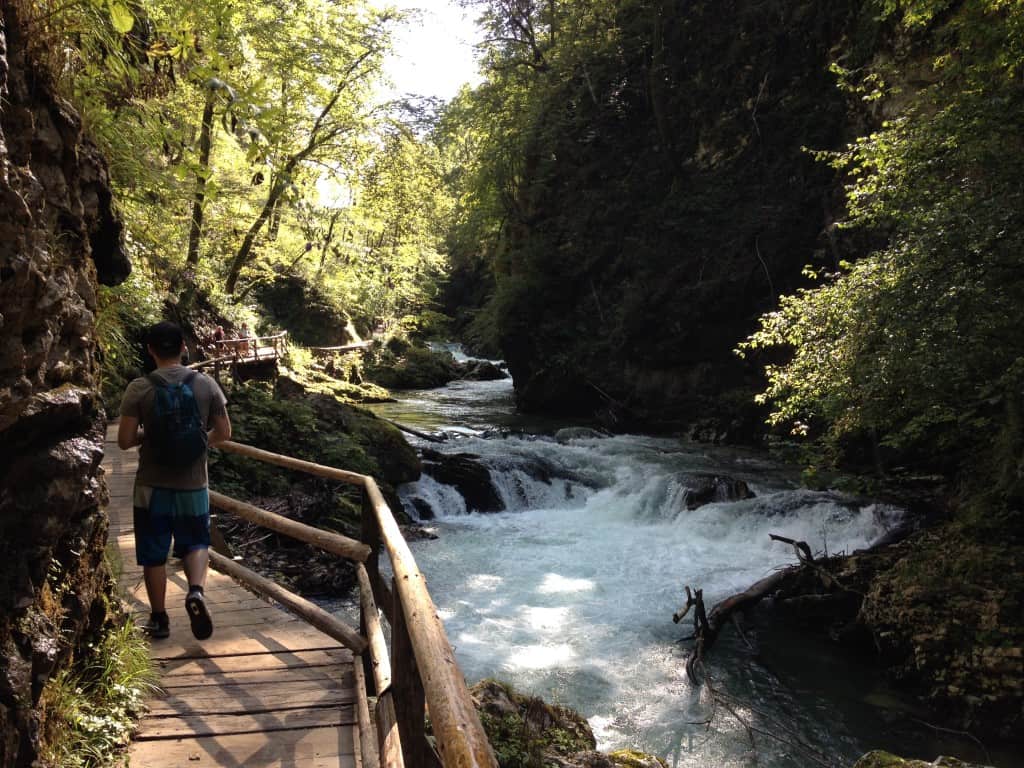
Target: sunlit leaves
{"x": 910, "y": 343}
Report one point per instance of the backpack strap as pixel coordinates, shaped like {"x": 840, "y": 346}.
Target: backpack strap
{"x": 190, "y": 377}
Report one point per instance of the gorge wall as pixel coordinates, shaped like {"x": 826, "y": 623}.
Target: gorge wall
{"x": 59, "y": 236}
{"x": 667, "y": 198}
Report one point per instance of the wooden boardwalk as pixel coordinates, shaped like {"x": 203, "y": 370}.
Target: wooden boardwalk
{"x": 265, "y": 690}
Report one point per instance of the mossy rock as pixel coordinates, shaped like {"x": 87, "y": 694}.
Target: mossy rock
{"x": 526, "y": 731}
{"x": 413, "y": 368}
{"x": 632, "y": 758}
{"x": 879, "y": 759}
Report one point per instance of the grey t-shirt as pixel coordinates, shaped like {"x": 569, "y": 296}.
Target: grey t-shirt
{"x": 138, "y": 402}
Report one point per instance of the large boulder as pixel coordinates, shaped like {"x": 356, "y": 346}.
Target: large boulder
{"x": 527, "y": 731}
{"x": 879, "y": 759}
{"x": 468, "y": 476}
{"x": 702, "y": 488}
{"x": 481, "y": 370}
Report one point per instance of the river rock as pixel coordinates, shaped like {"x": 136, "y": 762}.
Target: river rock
{"x": 481, "y": 370}
{"x": 704, "y": 489}
{"x": 879, "y": 759}
{"x": 468, "y": 476}
{"x": 577, "y": 433}
{"x": 526, "y": 730}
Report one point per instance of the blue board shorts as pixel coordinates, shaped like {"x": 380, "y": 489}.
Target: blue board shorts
{"x": 161, "y": 514}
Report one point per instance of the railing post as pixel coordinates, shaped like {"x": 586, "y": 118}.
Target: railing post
{"x": 407, "y": 686}
{"x": 370, "y": 535}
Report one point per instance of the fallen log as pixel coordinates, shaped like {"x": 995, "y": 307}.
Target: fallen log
{"x": 424, "y": 435}
{"x": 707, "y": 626}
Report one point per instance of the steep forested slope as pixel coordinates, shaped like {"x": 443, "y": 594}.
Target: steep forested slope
{"x": 657, "y": 192}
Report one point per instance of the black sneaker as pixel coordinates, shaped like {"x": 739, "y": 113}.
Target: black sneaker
{"x": 198, "y": 615}
{"x": 157, "y": 628}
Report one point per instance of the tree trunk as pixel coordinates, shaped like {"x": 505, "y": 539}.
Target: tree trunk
{"x": 244, "y": 252}
{"x": 205, "y": 144}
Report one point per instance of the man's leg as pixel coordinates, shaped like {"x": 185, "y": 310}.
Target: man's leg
{"x": 152, "y": 540}
{"x": 197, "y": 563}
{"x": 156, "y": 587}
{"x": 191, "y": 544}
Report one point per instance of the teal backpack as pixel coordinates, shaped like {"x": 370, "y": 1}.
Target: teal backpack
{"x": 175, "y": 429}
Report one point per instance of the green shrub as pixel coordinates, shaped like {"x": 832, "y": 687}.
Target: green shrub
{"x": 89, "y": 710}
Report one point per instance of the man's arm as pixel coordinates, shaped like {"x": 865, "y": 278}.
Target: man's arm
{"x": 221, "y": 428}
{"x": 128, "y": 433}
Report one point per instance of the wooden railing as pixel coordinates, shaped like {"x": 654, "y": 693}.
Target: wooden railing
{"x": 251, "y": 347}
{"x": 354, "y": 347}
{"x": 420, "y": 673}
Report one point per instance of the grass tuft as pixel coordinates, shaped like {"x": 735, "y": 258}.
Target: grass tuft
{"x": 89, "y": 709}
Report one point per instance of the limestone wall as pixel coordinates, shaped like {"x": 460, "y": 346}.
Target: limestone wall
{"x": 58, "y": 237}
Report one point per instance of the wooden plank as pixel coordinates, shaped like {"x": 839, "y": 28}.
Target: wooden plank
{"x": 259, "y": 662}
{"x": 233, "y": 642}
{"x": 215, "y": 725}
{"x": 251, "y": 699}
{"x": 256, "y": 750}
{"x": 340, "y": 674}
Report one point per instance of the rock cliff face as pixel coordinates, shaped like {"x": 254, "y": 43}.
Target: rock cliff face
{"x": 58, "y": 236}
{"x": 669, "y": 198}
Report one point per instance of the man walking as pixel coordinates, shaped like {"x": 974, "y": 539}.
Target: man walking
{"x": 173, "y": 415}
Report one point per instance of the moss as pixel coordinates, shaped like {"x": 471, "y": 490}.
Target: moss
{"x": 411, "y": 368}
{"x": 632, "y": 758}
{"x": 879, "y": 759}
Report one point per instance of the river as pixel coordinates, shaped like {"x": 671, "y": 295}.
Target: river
{"x": 569, "y": 593}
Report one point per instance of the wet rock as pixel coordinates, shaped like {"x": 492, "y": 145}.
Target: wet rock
{"x": 704, "y": 489}
{"x": 525, "y": 730}
{"x": 879, "y": 759}
{"x": 468, "y": 476}
{"x": 632, "y": 758}
{"x": 59, "y": 237}
{"x": 577, "y": 433}
{"x": 421, "y": 509}
{"x": 481, "y": 370}
{"x": 412, "y": 368}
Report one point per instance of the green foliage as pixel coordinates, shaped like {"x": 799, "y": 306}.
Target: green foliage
{"x": 635, "y": 181}
{"x": 124, "y": 312}
{"x": 919, "y": 346}
{"x": 248, "y": 137}
{"x": 89, "y": 709}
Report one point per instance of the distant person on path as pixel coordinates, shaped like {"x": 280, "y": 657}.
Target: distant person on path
{"x": 243, "y": 345}
{"x": 173, "y": 415}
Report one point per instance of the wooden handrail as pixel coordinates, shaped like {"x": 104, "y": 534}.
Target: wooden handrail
{"x": 389, "y": 734}
{"x": 312, "y": 613}
{"x": 212, "y": 361}
{"x": 343, "y": 348}
{"x": 341, "y": 475}
{"x": 459, "y": 735}
{"x": 328, "y": 541}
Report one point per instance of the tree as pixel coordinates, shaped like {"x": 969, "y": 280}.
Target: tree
{"x": 919, "y": 346}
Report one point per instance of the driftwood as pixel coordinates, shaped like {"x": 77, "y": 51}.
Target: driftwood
{"x": 425, "y": 435}
{"x": 707, "y": 626}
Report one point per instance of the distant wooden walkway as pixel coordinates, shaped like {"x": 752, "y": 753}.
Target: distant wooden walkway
{"x": 265, "y": 690}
